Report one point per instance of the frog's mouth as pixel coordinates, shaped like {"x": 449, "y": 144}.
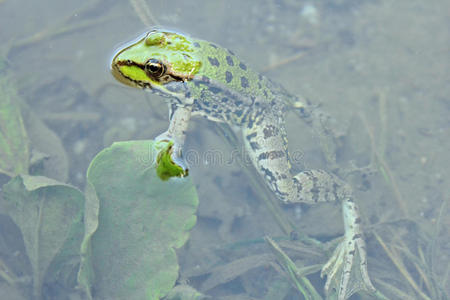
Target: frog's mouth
{"x": 123, "y": 78}
{"x": 172, "y": 88}
{"x": 120, "y": 70}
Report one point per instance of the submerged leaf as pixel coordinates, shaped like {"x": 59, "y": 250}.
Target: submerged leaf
{"x": 295, "y": 275}
{"x": 134, "y": 220}
{"x": 48, "y": 157}
{"x": 20, "y": 131}
{"x": 184, "y": 292}
{"x": 49, "y": 215}
{"x": 14, "y": 149}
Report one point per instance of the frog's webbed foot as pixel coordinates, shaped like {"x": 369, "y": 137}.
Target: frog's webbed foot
{"x": 176, "y": 151}
{"x": 346, "y": 270}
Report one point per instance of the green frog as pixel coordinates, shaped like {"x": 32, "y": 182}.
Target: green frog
{"x": 202, "y": 78}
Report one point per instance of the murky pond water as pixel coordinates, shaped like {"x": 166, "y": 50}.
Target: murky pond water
{"x": 379, "y": 69}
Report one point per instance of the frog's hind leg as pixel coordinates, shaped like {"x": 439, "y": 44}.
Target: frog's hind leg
{"x": 267, "y": 146}
{"x": 346, "y": 270}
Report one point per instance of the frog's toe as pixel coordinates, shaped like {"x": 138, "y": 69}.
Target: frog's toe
{"x": 346, "y": 270}
{"x": 176, "y": 151}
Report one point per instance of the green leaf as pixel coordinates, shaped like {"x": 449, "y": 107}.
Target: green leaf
{"x": 134, "y": 220}
{"x": 20, "y": 131}
{"x": 46, "y": 145}
{"x": 14, "y": 149}
{"x": 49, "y": 215}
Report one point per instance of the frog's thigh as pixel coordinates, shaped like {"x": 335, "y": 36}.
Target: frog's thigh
{"x": 267, "y": 149}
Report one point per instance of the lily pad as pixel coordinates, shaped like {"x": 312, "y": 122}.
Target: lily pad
{"x": 49, "y": 215}
{"x": 134, "y": 221}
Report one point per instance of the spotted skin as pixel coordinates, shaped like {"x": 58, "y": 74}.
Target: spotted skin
{"x": 201, "y": 78}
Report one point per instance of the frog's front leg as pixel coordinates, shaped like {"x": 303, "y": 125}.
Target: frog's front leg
{"x": 267, "y": 146}
{"x": 179, "y": 117}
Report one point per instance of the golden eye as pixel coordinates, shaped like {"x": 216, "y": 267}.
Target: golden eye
{"x": 154, "y": 68}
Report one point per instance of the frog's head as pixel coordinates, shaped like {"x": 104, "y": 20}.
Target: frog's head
{"x": 157, "y": 61}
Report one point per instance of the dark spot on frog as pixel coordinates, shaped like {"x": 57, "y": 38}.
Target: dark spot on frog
{"x": 243, "y": 66}
{"x": 238, "y": 103}
{"x": 357, "y": 236}
{"x": 251, "y": 136}
{"x": 230, "y": 61}
{"x": 238, "y": 113}
{"x": 268, "y": 174}
{"x": 228, "y": 76}
{"x": 224, "y": 100}
{"x": 212, "y": 45}
{"x": 197, "y": 45}
{"x": 205, "y": 102}
{"x": 250, "y": 123}
{"x": 214, "y": 90}
{"x": 231, "y": 52}
{"x": 271, "y": 155}
{"x": 244, "y": 82}
{"x": 315, "y": 195}
{"x": 254, "y": 145}
{"x": 213, "y": 61}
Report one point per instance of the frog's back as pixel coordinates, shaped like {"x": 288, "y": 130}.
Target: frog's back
{"x": 225, "y": 88}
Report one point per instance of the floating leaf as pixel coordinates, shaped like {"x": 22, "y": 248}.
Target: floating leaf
{"x": 134, "y": 220}
{"x": 49, "y": 215}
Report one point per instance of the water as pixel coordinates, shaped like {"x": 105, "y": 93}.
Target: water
{"x": 379, "y": 68}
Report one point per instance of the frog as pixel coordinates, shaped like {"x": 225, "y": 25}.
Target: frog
{"x": 201, "y": 78}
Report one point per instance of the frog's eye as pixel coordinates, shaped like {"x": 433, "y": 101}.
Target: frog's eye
{"x": 155, "y": 68}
